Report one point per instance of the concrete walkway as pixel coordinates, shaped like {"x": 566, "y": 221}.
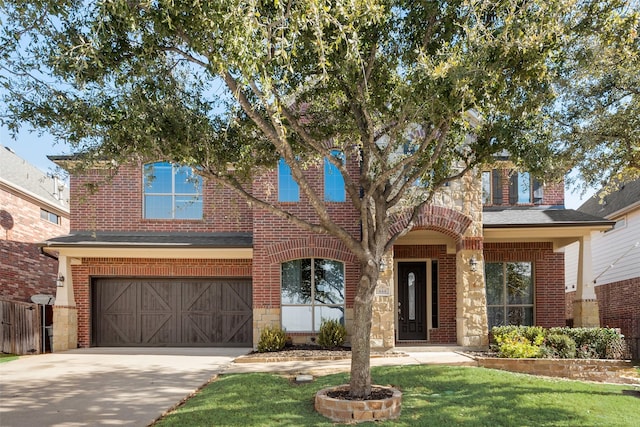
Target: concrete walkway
{"x": 325, "y": 367}
{"x": 135, "y": 386}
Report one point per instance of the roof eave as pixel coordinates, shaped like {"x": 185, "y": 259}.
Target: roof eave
{"x": 172, "y": 251}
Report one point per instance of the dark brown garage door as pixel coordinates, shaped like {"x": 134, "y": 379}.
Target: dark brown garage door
{"x": 172, "y": 312}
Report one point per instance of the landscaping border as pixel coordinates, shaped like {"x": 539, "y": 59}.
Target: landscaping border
{"x": 599, "y": 370}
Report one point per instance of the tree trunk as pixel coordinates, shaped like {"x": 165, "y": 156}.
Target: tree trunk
{"x": 360, "y": 383}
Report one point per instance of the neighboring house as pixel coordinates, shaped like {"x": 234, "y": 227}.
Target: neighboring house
{"x": 616, "y": 262}
{"x": 157, "y": 256}
{"x": 33, "y": 207}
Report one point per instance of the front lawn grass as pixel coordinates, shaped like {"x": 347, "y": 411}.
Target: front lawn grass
{"x": 432, "y": 396}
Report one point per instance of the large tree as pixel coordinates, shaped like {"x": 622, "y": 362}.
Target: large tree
{"x": 598, "y": 124}
{"x": 412, "y": 90}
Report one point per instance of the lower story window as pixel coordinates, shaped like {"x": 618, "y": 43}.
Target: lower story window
{"x": 509, "y": 293}
{"x": 312, "y": 290}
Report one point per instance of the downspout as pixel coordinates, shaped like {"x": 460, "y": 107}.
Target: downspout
{"x": 47, "y": 254}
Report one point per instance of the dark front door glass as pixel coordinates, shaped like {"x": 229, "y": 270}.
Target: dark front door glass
{"x": 412, "y": 301}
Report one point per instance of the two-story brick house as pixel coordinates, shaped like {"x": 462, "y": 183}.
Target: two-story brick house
{"x": 33, "y": 207}
{"x": 156, "y": 256}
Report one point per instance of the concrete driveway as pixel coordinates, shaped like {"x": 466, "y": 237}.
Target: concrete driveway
{"x": 104, "y": 386}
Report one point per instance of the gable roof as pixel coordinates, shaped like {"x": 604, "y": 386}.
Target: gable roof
{"x": 623, "y": 200}
{"x": 23, "y": 177}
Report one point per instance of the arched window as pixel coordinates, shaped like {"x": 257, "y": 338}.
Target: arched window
{"x": 312, "y": 290}
{"x": 171, "y": 192}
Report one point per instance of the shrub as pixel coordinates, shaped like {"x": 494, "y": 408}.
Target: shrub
{"x": 272, "y": 338}
{"x": 596, "y": 343}
{"x": 559, "y": 345}
{"x": 582, "y": 343}
{"x": 512, "y": 341}
{"x": 332, "y": 333}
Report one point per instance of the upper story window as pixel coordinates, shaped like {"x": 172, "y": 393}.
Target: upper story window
{"x": 486, "y": 187}
{"x": 524, "y": 189}
{"x": 49, "y": 216}
{"x": 288, "y": 189}
{"x": 171, "y": 192}
{"x": 492, "y": 187}
{"x": 312, "y": 289}
{"x": 333, "y": 180}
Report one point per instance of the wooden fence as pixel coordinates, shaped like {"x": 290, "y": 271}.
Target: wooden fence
{"x": 20, "y": 327}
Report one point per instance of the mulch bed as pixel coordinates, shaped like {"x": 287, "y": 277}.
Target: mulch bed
{"x": 376, "y": 394}
{"x": 307, "y": 352}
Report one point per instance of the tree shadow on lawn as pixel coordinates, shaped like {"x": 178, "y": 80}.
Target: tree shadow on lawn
{"x": 432, "y": 396}
{"x": 485, "y": 397}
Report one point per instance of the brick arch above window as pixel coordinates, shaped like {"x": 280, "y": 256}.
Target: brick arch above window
{"x": 311, "y": 247}
{"x": 437, "y": 218}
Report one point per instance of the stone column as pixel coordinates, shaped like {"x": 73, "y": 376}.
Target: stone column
{"x": 471, "y": 300}
{"x": 65, "y": 314}
{"x": 263, "y": 317}
{"x": 585, "y": 305}
{"x": 384, "y": 303}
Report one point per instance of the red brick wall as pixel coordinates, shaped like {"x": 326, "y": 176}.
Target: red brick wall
{"x": 24, "y": 270}
{"x": 276, "y": 240}
{"x": 619, "y": 307}
{"x": 117, "y": 205}
{"x": 553, "y": 193}
{"x": 445, "y": 333}
{"x": 132, "y": 267}
{"x": 548, "y": 268}
{"x": 618, "y": 300}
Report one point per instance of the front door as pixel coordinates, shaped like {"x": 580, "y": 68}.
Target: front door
{"x": 412, "y": 301}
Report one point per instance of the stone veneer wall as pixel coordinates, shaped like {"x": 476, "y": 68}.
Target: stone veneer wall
{"x": 578, "y": 369}
{"x": 384, "y": 303}
{"x": 471, "y": 302}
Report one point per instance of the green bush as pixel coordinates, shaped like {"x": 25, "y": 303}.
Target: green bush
{"x": 595, "y": 343}
{"x": 513, "y": 341}
{"x": 559, "y": 345}
{"x": 272, "y": 338}
{"x": 332, "y": 333}
{"x": 582, "y": 343}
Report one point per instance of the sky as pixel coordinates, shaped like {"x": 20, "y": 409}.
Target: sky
{"x": 35, "y": 149}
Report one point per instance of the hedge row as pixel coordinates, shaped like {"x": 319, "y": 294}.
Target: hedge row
{"x": 563, "y": 343}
